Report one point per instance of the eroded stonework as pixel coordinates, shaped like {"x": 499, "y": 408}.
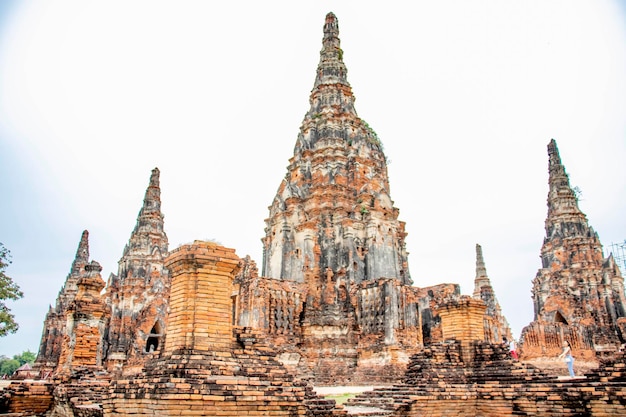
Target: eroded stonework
{"x": 578, "y": 294}
{"x": 333, "y": 222}
{"x": 138, "y": 294}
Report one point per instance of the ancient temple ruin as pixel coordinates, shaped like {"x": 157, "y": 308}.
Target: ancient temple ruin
{"x": 578, "y": 294}
{"x": 199, "y": 331}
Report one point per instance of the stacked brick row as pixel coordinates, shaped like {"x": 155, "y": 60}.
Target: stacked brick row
{"x": 200, "y": 300}
{"x": 192, "y": 382}
{"x": 320, "y": 407}
{"x": 462, "y": 318}
{"x": 82, "y": 395}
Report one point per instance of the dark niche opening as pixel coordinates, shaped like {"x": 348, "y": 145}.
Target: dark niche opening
{"x": 558, "y": 318}
{"x": 154, "y": 338}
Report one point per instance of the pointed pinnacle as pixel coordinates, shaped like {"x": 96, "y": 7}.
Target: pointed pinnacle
{"x": 152, "y": 199}
{"x": 154, "y": 177}
{"x": 481, "y": 270}
{"x": 82, "y": 253}
{"x": 331, "y": 27}
{"x": 553, "y": 154}
{"x": 561, "y": 198}
{"x": 563, "y": 210}
{"x": 481, "y": 280}
{"x": 150, "y": 218}
{"x": 331, "y": 69}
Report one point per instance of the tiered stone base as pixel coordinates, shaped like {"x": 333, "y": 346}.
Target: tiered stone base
{"x": 440, "y": 382}
{"x": 200, "y": 383}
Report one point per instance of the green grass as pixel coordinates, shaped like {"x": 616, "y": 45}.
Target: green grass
{"x": 340, "y": 398}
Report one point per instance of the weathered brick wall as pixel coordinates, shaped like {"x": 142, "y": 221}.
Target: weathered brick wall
{"x": 463, "y": 319}
{"x": 203, "y": 370}
{"x": 26, "y": 398}
{"x": 367, "y": 337}
{"x": 87, "y": 315}
{"x": 429, "y": 298}
{"x": 200, "y": 299}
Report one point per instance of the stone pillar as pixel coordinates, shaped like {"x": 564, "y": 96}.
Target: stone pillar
{"x": 200, "y": 298}
{"x": 391, "y": 312}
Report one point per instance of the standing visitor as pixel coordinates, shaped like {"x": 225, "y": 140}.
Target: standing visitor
{"x": 512, "y": 349}
{"x": 569, "y": 359}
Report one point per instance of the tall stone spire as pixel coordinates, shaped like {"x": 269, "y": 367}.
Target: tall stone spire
{"x": 576, "y": 292}
{"x": 564, "y": 217}
{"x": 496, "y": 325}
{"x": 481, "y": 280}
{"x": 149, "y": 227}
{"x": 331, "y": 92}
{"x": 333, "y": 218}
{"x": 70, "y": 288}
{"x": 138, "y": 293}
{"x": 82, "y": 254}
{"x": 54, "y": 327}
{"x": 565, "y": 221}
{"x": 331, "y": 69}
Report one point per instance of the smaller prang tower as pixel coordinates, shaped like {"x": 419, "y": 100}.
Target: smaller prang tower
{"x": 578, "y": 294}
{"x": 496, "y": 325}
{"x": 138, "y": 294}
{"x": 55, "y": 325}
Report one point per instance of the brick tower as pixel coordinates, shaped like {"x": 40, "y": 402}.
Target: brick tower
{"x": 578, "y": 294}
{"x": 332, "y": 227}
{"x": 138, "y": 293}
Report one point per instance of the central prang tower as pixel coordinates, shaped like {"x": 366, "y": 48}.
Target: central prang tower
{"x": 333, "y": 217}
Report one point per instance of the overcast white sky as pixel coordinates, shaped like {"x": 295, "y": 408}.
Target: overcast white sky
{"x": 465, "y": 96}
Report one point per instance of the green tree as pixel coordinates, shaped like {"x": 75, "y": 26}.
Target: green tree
{"x": 8, "y": 366}
{"x": 8, "y": 291}
{"x": 25, "y": 357}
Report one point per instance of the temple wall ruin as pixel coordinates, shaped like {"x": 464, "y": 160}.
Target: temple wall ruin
{"x": 203, "y": 370}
